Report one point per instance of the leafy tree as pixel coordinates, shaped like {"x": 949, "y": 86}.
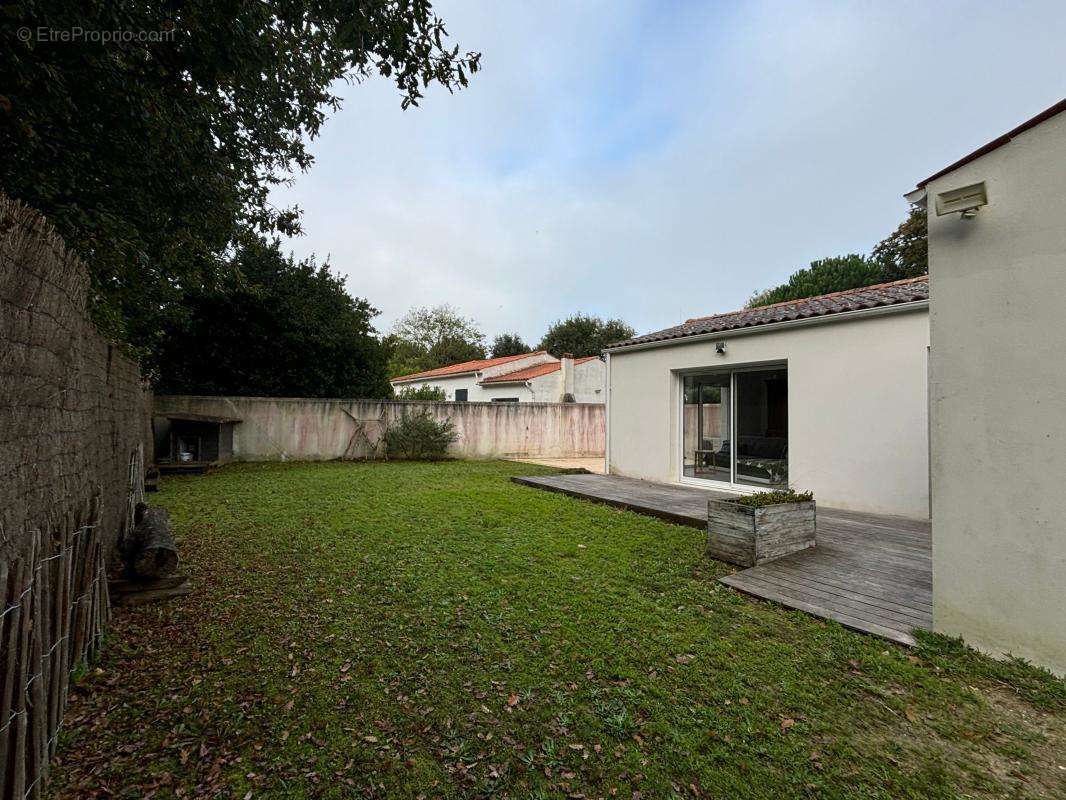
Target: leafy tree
{"x": 584, "y": 335}
{"x": 427, "y": 338}
{"x": 903, "y": 254}
{"x": 277, "y": 327}
{"x": 153, "y": 155}
{"x": 431, "y": 393}
{"x": 508, "y": 344}
{"x": 821, "y": 277}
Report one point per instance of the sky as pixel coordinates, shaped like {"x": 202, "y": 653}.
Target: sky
{"x": 656, "y": 161}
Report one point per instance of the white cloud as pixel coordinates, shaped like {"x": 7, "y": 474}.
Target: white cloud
{"x": 656, "y": 161}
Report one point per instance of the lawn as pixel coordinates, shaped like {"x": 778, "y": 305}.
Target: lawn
{"x": 434, "y": 630}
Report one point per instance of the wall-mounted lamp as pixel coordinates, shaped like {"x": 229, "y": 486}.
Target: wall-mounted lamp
{"x": 964, "y": 201}
{"x": 719, "y": 348}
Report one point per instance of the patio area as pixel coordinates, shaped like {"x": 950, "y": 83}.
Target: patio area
{"x": 868, "y": 572}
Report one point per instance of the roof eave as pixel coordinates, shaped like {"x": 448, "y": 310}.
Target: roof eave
{"x": 822, "y": 319}
{"x": 998, "y": 142}
{"x": 409, "y": 378}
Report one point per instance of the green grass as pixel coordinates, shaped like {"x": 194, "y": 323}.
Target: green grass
{"x": 434, "y": 630}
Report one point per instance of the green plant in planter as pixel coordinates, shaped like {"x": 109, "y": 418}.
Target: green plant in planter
{"x": 419, "y": 436}
{"x": 763, "y": 499}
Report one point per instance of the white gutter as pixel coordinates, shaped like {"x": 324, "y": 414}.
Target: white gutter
{"x": 839, "y": 316}
{"x": 916, "y": 197}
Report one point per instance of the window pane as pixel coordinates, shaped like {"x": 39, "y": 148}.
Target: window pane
{"x": 762, "y": 428}
{"x": 705, "y": 426}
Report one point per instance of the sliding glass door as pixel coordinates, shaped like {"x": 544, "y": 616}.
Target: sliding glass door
{"x": 706, "y": 425}
{"x": 734, "y": 427}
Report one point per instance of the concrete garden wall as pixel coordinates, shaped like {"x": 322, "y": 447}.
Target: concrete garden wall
{"x": 313, "y": 429}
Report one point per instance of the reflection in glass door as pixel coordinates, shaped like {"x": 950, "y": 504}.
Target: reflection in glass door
{"x": 735, "y": 427}
{"x": 706, "y": 425}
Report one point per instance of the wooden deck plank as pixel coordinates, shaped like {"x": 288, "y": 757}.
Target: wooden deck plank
{"x": 769, "y": 592}
{"x": 868, "y": 572}
{"x": 916, "y": 599}
{"x": 859, "y": 603}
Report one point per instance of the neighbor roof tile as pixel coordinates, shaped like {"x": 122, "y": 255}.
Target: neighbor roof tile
{"x": 909, "y": 290}
{"x": 464, "y": 366}
{"x": 533, "y": 372}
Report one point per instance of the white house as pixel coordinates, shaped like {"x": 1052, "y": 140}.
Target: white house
{"x": 528, "y": 378}
{"x": 827, "y": 394}
{"x": 997, "y": 269}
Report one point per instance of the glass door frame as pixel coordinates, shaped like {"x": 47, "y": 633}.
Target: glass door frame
{"x": 732, "y": 369}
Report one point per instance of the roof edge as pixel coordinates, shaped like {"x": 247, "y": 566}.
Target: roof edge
{"x": 481, "y": 362}
{"x": 821, "y": 319}
{"x": 840, "y": 293}
{"x": 999, "y": 141}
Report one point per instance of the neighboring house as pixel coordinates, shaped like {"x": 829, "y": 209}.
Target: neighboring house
{"x": 827, "y": 393}
{"x": 997, "y": 267}
{"x": 528, "y": 378}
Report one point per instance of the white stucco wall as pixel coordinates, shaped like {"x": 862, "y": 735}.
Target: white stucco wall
{"x": 998, "y": 402}
{"x": 476, "y": 392}
{"x": 448, "y": 384}
{"x": 857, "y": 407}
{"x": 589, "y": 383}
{"x": 590, "y": 380}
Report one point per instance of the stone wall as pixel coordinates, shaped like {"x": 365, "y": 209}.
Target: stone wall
{"x": 73, "y": 409}
{"x": 74, "y": 434}
{"x": 312, "y": 429}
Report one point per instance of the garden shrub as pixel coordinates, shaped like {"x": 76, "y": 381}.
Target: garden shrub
{"x": 430, "y": 393}
{"x": 418, "y": 436}
{"x": 763, "y": 499}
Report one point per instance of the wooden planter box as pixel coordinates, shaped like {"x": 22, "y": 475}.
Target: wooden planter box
{"x": 748, "y": 536}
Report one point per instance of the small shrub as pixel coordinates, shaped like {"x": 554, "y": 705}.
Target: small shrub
{"x": 419, "y": 437}
{"x": 430, "y": 393}
{"x": 763, "y": 499}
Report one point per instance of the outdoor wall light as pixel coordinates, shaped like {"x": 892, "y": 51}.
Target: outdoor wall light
{"x": 964, "y": 201}
{"x": 719, "y": 347}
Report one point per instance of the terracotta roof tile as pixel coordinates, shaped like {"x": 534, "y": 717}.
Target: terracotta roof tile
{"x": 909, "y": 290}
{"x": 463, "y": 367}
{"x": 535, "y": 371}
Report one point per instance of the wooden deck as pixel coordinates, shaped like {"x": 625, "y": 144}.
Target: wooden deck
{"x": 868, "y": 572}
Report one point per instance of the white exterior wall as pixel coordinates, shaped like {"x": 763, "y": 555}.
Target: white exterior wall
{"x": 448, "y": 384}
{"x": 857, "y": 407}
{"x": 590, "y": 380}
{"x": 589, "y": 383}
{"x": 469, "y": 381}
{"x": 524, "y": 394}
{"x": 998, "y": 402}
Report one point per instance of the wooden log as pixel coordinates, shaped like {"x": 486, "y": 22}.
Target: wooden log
{"x": 152, "y": 551}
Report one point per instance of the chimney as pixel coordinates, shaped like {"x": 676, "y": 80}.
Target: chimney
{"x": 567, "y": 369}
